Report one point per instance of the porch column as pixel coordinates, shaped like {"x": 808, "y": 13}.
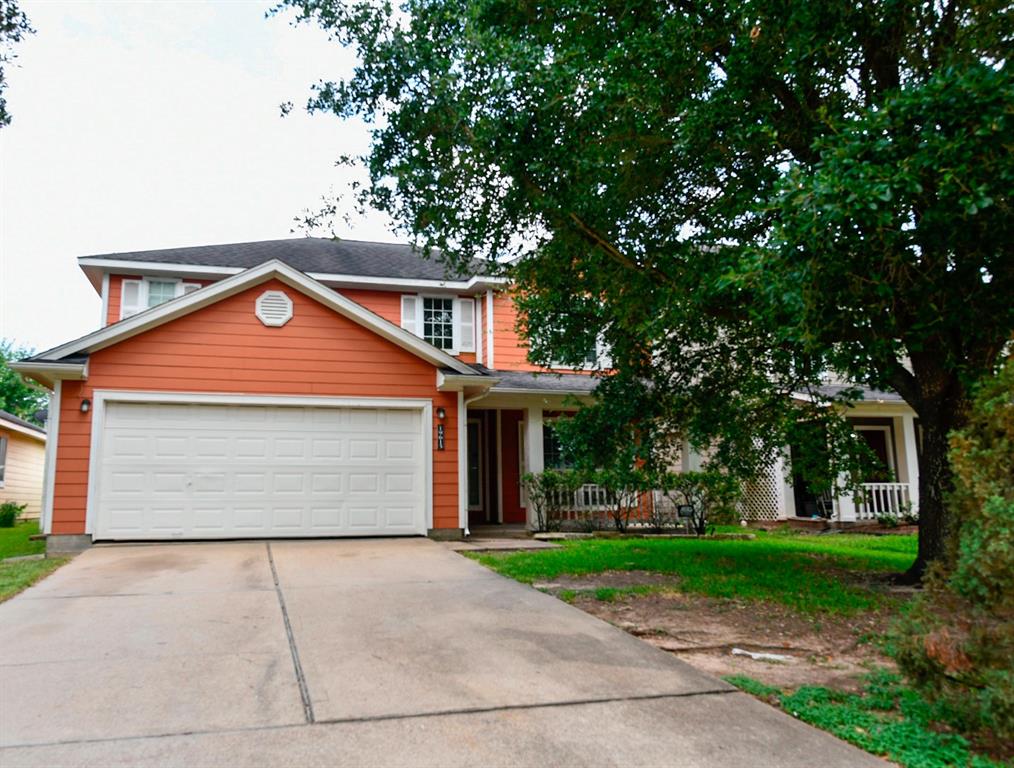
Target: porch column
{"x": 911, "y": 459}
{"x": 847, "y": 508}
{"x": 783, "y": 481}
{"x": 533, "y": 450}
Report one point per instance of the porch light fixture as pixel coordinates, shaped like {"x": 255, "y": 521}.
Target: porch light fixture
{"x": 86, "y": 405}
{"x": 441, "y": 413}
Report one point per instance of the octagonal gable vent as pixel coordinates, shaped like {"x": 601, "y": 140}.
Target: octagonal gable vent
{"x": 274, "y": 308}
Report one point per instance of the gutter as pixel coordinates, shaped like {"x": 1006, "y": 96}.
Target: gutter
{"x": 48, "y": 373}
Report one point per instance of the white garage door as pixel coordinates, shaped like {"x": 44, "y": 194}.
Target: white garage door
{"x": 170, "y": 471}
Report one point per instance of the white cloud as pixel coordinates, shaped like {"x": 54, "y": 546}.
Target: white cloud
{"x": 150, "y": 126}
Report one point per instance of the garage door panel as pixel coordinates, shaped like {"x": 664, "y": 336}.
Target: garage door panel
{"x": 222, "y": 471}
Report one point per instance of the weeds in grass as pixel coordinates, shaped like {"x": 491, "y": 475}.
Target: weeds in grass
{"x": 888, "y": 718}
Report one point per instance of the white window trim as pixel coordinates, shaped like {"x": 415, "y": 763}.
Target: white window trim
{"x": 144, "y": 282}
{"x": 418, "y": 326}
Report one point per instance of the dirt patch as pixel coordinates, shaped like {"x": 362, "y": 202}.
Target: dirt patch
{"x": 834, "y": 652}
{"x": 609, "y": 580}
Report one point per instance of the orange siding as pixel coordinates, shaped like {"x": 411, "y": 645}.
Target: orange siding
{"x": 510, "y": 353}
{"x": 225, "y": 348}
{"x": 387, "y": 304}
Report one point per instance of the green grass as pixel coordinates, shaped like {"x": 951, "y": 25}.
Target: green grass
{"x": 15, "y": 577}
{"x": 14, "y": 541}
{"x": 887, "y": 719}
{"x": 811, "y": 574}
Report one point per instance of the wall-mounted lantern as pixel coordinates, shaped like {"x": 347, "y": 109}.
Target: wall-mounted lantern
{"x": 86, "y": 405}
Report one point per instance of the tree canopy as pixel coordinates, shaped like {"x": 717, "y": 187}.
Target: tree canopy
{"x": 17, "y": 395}
{"x": 14, "y": 26}
{"x": 740, "y": 198}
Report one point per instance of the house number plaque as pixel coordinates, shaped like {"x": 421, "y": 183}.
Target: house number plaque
{"x": 440, "y": 437}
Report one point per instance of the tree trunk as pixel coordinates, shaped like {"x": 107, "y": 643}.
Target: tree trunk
{"x": 938, "y": 416}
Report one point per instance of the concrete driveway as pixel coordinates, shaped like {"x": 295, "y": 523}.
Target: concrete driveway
{"x": 368, "y": 652}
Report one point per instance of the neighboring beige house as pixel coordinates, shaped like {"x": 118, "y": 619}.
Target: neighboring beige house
{"x": 22, "y": 459}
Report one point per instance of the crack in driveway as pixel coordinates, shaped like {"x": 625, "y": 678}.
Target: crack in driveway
{"x": 304, "y": 691}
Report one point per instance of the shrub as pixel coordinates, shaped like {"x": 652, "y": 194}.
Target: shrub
{"x": 956, "y": 641}
{"x": 9, "y": 513}
{"x": 711, "y": 493}
{"x": 623, "y": 492}
{"x": 547, "y": 493}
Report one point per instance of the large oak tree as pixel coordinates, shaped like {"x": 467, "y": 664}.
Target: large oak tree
{"x": 739, "y": 197}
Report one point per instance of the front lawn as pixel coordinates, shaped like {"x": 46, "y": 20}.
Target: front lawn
{"x": 18, "y": 576}
{"x": 14, "y": 542}
{"x": 830, "y": 574}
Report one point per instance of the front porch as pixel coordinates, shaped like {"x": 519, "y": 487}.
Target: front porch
{"x": 506, "y": 436}
{"x": 891, "y": 488}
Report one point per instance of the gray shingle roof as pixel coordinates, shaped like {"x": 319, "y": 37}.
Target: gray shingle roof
{"x": 308, "y": 254}
{"x": 835, "y": 390}
{"x": 563, "y": 383}
{"x": 5, "y": 416}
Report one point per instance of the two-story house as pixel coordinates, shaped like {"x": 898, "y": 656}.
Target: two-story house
{"x": 313, "y": 387}
{"x": 302, "y": 387}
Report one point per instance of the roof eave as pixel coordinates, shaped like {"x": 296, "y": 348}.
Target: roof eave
{"x": 95, "y": 267}
{"x": 230, "y": 286}
{"x": 48, "y": 372}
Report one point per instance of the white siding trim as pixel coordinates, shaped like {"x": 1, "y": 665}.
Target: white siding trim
{"x": 101, "y": 396}
{"x": 103, "y": 321}
{"x": 390, "y": 283}
{"x": 52, "y": 443}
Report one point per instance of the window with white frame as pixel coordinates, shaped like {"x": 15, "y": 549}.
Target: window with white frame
{"x": 553, "y": 455}
{"x": 447, "y": 323}
{"x": 438, "y": 322}
{"x": 139, "y": 295}
{"x": 3, "y": 460}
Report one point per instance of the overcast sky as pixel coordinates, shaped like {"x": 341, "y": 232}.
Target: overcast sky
{"x": 152, "y": 125}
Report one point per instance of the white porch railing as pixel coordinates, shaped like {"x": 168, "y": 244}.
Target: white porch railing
{"x": 574, "y": 505}
{"x": 883, "y": 500}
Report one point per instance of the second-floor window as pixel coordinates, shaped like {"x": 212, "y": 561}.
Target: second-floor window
{"x": 438, "y": 322}
{"x": 139, "y": 295}
{"x": 446, "y": 322}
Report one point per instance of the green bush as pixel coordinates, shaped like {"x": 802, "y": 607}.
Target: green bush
{"x": 9, "y": 513}
{"x": 956, "y": 641}
{"x": 711, "y": 493}
{"x": 547, "y": 493}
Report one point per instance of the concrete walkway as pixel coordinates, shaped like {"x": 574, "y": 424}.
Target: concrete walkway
{"x": 370, "y": 652}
